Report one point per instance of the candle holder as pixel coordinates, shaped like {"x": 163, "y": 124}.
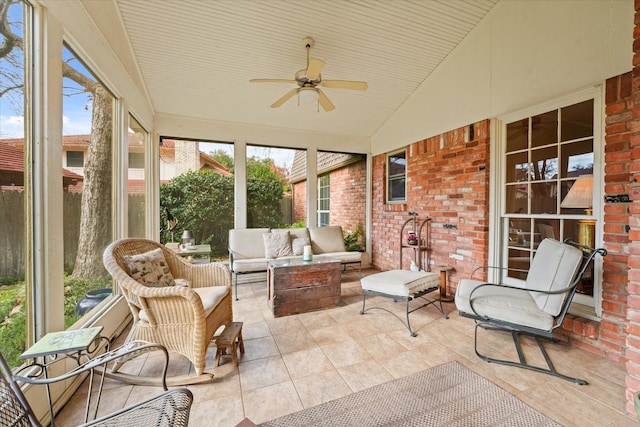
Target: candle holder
{"x": 306, "y": 254}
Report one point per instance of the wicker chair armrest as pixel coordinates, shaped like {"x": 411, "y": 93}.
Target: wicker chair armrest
{"x": 205, "y": 275}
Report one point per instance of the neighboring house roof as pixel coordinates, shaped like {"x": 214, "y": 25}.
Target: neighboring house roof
{"x": 12, "y": 166}
{"x": 327, "y": 162}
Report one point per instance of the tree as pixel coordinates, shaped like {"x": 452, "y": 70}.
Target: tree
{"x": 95, "y": 228}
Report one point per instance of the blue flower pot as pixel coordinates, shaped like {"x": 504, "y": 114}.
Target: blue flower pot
{"x": 91, "y": 299}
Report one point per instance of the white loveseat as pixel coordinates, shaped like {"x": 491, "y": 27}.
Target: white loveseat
{"x": 249, "y": 250}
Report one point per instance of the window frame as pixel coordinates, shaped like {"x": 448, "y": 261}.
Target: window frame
{"x": 324, "y": 182}
{"x": 583, "y": 305}
{"x": 390, "y": 198}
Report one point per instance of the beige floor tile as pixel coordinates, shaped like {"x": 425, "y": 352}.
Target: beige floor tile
{"x": 255, "y": 330}
{"x": 330, "y": 335}
{"x": 345, "y": 353}
{"x": 364, "y": 375}
{"x": 267, "y": 403}
{"x": 317, "y": 320}
{"x": 295, "y": 341}
{"x": 307, "y": 362}
{"x": 258, "y": 348}
{"x": 262, "y": 372}
{"x": 225, "y": 411}
{"x": 320, "y": 388}
{"x": 285, "y": 325}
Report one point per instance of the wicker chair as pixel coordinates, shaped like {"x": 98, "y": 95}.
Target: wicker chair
{"x": 168, "y": 409}
{"x": 182, "y": 318}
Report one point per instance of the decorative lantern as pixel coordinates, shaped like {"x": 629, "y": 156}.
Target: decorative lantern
{"x": 188, "y": 240}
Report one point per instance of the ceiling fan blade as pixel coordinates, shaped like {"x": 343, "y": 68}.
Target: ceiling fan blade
{"x": 271, "y": 81}
{"x": 287, "y": 96}
{"x": 325, "y": 102}
{"x": 345, "y": 84}
{"x": 314, "y": 68}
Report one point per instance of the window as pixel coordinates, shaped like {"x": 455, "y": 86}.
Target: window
{"x": 16, "y": 290}
{"x": 396, "y": 177}
{"x": 324, "y": 200}
{"x": 89, "y": 211}
{"x": 136, "y": 160}
{"x": 545, "y": 156}
{"x": 75, "y": 159}
{"x": 137, "y": 182}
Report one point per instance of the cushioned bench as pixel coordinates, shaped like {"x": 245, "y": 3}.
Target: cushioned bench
{"x": 402, "y": 285}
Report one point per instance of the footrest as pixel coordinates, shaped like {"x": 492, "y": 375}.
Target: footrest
{"x": 231, "y": 337}
{"x": 404, "y": 285}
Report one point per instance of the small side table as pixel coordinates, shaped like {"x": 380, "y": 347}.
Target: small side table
{"x": 443, "y": 269}
{"x": 74, "y": 344}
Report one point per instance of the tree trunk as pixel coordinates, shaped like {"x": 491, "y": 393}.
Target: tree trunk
{"x": 95, "y": 223}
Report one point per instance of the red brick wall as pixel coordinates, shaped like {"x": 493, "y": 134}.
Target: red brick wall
{"x": 348, "y": 202}
{"x": 447, "y": 180}
{"x": 608, "y": 337}
{"x": 348, "y": 186}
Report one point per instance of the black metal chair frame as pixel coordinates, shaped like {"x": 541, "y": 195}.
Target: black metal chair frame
{"x": 397, "y": 298}
{"x": 539, "y": 335}
{"x": 170, "y": 408}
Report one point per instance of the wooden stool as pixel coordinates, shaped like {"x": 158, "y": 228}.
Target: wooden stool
{"x": 231, "y": 337}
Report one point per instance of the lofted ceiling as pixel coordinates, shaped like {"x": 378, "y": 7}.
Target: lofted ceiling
{"x": 195, "y": 58}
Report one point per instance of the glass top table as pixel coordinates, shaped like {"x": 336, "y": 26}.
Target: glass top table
{"x": 298, "y": 262}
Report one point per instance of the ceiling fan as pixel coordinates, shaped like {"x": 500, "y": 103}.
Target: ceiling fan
{"x": 308, "y": 81}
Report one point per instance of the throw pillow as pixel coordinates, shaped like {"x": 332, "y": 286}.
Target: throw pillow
{"x": 150, "y": 269}
{"x": 277, "y": 244}
{"x": 298, "y": 244}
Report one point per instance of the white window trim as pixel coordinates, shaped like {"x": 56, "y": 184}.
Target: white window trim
{"x": 584, "y": 306}
{"x": 386, "y": 196}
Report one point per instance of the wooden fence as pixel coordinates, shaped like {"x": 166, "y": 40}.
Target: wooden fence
{"x": 12, "y": 237}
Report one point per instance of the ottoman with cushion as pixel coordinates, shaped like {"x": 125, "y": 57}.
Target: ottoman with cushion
{"x": 402, "y": 285}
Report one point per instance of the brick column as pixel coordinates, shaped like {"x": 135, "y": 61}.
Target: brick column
{"x": 633, "y": 288}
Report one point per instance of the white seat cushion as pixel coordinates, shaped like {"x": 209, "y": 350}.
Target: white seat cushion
{"x": 553, "y": 268}
{"x": 403, "y": 283}
{"x": 211, "y": 297}
{"x": 506, "y": 304}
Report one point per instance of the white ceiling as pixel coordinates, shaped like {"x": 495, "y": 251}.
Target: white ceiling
{"x": 196, "y": 57}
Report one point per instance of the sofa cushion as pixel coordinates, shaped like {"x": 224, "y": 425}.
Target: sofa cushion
{"x": 277, "y": 244}
{"x": 298, "y": 244}
{"x": 242, "y": 242}
{"x": 326, "y": 239}
{"x": 249, "y": 265}
{"x": 149, "y": 268}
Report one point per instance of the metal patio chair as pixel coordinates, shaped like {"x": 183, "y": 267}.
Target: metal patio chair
{"x": 537, "y": 308}
{"x": 170, "y": 408}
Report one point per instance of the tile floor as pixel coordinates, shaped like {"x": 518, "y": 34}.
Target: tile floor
{"x": 296, "y": 362}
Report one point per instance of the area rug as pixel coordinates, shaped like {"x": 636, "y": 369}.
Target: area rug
{"x": 446, "y": 395}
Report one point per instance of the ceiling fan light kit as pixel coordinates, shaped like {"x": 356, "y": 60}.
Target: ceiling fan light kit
{"x": 308, "y": 80}
{"x": 307, "y": 95}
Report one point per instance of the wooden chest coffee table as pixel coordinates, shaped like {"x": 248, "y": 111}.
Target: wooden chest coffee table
{"x": 295, "y": 286}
